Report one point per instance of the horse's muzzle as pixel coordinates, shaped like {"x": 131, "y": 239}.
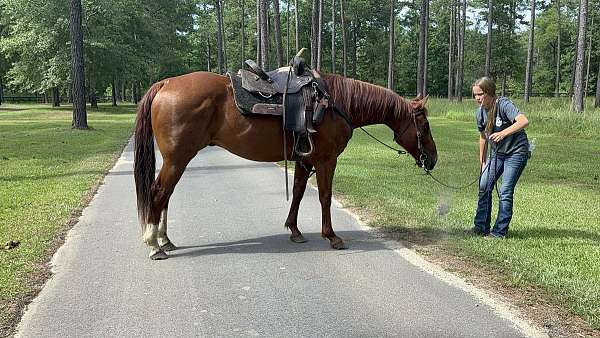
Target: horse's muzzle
{"x": 429, "y": 162}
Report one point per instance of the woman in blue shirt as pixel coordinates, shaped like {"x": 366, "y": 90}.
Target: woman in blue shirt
{"x": 503, "y": 152}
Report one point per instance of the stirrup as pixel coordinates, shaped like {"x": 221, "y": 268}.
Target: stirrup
{"x": 310, "y": 143}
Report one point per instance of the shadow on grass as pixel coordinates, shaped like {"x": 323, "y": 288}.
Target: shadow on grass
{"x": 542, "y": 233}
{"x": 425, "y": 236}
{"x": 21, "y": 178}
{"x": 11, "y": 109}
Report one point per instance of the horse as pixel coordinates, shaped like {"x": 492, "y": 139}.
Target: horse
{"x": 187, "y": 113}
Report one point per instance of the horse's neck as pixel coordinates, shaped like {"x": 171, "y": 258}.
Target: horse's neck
{"x": 360, "y": 119}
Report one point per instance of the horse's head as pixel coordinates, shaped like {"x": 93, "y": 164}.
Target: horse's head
{"x": 415, "y": 135}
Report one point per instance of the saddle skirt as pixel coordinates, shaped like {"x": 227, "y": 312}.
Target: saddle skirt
{"x": 265, "y": 98}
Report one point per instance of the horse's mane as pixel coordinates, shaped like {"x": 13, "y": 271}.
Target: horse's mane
{"x": 364, "y": 101}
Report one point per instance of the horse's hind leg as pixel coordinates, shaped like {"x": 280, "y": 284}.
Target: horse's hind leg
{"x": 161, "y": 191}
{"x": 301, "y": 174}
{"x": 163, "y": 240}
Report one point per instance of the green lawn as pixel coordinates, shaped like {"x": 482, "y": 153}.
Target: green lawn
{"x": 554, "y": 240}
{"x": 46, "y": 170}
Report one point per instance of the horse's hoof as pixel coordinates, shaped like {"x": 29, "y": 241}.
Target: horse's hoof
{"x": 168, "y": 247}
{"x": 298, "y": 238}
{"x": 159, "y": 255}
{"x": 340, "y": 245}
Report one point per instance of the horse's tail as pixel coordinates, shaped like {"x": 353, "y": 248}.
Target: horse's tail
{"x": 144, "y": 162}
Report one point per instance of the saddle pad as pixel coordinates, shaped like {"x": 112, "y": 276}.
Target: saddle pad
{"x": 245, "y": 100}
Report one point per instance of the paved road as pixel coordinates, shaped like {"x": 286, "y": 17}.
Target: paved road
{"x": 238, "y": 274}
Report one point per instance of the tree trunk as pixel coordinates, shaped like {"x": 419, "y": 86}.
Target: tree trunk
{"x": 355, "y": 28}
{"x": 461, "y": 51}
{"x": 258, "y": 40}
{"x": 333, "y": 36}
{"x": 451, "y": 52}
{"x": 287, "y": 32}
{"x": 78, "y": 71}
{"x": 529, "y": 66}
{"x": 313, "y": 34}
{"x": 219, "y": 36}
{"x": 93, "y": 97}
{"x": 297, "y": 26}
{"x": 1, "y": 91}
{"x": 344, "y": 42}
{"x": 597, "y": 100}
{"x": 390, "y": 80}
{"x": 488, "y": 47}
{"x": 578, "y": 95}
{"x": 421, "y": 64}
{"x": 118, "y": 88}
{"x": 124, "y": 91}
{"x": 426, "y": 50}
{"x": 264, "y": 35}
{"x": 557, "y": 77}
{"x": 319, "y": 35}
{"x": 574, "y": 62}
{"x": 114, "y": 93}
{"x": 278, "y": 45}
{"x": 133, "y": 94}
{"x": 138, "y": 91}
{"x": 589, "y": 48}
{"x": 243, "y": 35}
{"x": 223, "y": 42}
{"x": 55, "y": 97}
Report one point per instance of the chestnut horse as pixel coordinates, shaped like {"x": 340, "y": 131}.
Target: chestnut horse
{"x": 187, "y": 113}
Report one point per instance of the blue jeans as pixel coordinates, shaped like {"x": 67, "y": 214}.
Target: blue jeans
{"x": 510, "y": 168}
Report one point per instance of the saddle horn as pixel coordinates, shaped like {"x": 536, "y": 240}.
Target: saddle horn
{"x": 298, "y": 63}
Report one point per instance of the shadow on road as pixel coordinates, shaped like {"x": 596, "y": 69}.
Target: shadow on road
{"x": 357, "y": 242}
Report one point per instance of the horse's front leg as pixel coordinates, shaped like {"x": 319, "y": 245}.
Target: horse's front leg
{"x": 301, "y": 174}
{"x": 325, "y": 172}
{"x": 163, "y": 240}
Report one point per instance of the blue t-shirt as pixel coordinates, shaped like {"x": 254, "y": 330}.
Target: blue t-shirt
{"x": 505, "y": 117}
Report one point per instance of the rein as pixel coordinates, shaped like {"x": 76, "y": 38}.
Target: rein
{"x": 399, "y": 151}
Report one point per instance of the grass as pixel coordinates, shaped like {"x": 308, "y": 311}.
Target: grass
{"x": 46, "y": 170}
{"x": 554, "y": 240}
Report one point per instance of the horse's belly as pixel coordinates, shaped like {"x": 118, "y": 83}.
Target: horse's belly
{"x": 264, "y": 145}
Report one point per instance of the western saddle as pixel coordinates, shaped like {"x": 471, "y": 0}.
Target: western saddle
{"x": 296, "y": 93}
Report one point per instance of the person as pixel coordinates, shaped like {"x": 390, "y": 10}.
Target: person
{"x": 501, "y": 128}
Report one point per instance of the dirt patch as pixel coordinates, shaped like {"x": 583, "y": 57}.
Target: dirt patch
{"x": 11, "y": 311}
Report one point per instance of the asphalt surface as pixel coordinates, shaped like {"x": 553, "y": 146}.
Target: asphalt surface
{"x": 237, "y": 273}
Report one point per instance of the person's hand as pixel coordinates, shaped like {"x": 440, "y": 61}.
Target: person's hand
{"x": 497, "y": 137}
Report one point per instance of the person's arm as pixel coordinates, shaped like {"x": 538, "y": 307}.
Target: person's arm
{"x": 481, "y": 150}
{"x": 521, "y": 122}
